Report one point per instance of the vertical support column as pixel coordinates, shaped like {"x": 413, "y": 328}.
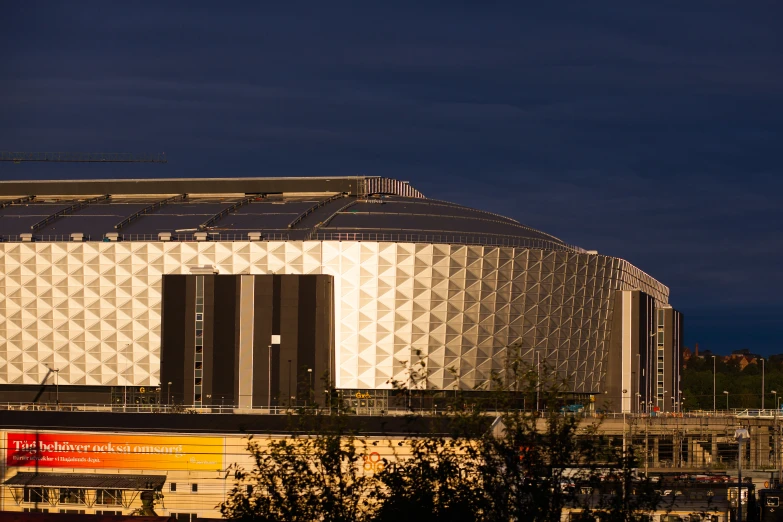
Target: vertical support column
{"x": 695, "y": 451}
{"x": 676, "y": 454}
{"x": 714, "y": 440}
{"x": 246, "y": 323}
{"x": 656, "y": 462}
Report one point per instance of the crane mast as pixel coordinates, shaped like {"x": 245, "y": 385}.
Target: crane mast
{"x": 83, "y": 157}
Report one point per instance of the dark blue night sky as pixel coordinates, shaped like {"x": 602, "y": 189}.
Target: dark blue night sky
{"x": 650, "y": 132}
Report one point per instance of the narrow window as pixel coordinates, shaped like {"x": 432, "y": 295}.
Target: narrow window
{"x": 194, "y": 488}
{"x": 173, "y": 486}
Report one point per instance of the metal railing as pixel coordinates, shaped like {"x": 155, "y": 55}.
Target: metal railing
{"x": 321, "y": 236}
{"x": 393, "y": 410}
{"x": 477, "y": 240}
{"x": 211, "y": 236}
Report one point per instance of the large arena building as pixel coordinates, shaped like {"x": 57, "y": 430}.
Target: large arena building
{"x": 248, "y": 291}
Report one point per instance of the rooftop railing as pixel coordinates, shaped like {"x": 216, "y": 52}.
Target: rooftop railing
{"x": 477, "y": 240}
{"x": 322, "y": 236}
{"x": 211, "y": 236}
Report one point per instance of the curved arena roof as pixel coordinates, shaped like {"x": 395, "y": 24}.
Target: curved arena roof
{"x": 343, "y": 208}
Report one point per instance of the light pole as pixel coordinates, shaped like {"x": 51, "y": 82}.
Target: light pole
{"x": 741, "y": 435}
{"x": 125, "y": 381}
{"x": 168, "y": 396}
{"x": 775, "y": 430}
{"x": 763, "y": 367}
{"x": 310, "y": 384}
{"x": 727, "y": 401}
{"x": 623, "y": 408}
{"x": 714, "y": 407}
{"x": 777, "y": 440}
{"x": 538, "y": 378}
{"x": 269, "y": 397}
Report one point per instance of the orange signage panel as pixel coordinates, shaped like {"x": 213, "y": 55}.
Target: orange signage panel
{"x": 98, "y": 450}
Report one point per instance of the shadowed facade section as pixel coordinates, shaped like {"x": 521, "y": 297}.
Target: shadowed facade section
{"x": 247, "y": 340}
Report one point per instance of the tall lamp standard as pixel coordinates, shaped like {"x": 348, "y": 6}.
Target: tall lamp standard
{"x": 714, "y": 407}
{"x": 168, "y": 396}
{"x": 727, "y": 401}
{"x": 777, "y": 437}
{"x": 56, "y": 387}
{"x": 538, "y": 378}
{"x": 763, "y": 367}
{"x": 310, "y": 384}
{"x": 269, "y": 378}
{"x": 289, "y": 383}
{"x": 775, "y": 430}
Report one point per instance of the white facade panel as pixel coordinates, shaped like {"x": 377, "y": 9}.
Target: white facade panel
{"x": 93, "y": 309}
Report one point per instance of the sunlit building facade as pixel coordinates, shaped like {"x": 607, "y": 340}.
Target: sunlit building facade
{"x": 82, "y": 267}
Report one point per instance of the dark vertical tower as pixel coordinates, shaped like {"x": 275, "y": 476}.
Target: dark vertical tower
{"x": 644, "y": 355}
{"x": 247, "y": 340}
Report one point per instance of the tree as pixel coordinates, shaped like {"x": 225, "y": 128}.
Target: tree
{"x": 527, "y": 466}
{"x": 530, "y": 466}
{"x": 316, "y": 474}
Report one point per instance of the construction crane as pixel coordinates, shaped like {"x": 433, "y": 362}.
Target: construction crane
{"x": 83, "y": 157}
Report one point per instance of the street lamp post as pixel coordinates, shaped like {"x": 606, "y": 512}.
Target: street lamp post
{"x": 714, "y": 407}
{"x": 775, "y": 431}
{"x": 778, "y": 460}
{"x": 289, "y": 383}
{"x": 727, "y": 401}
{"x": 168, "y": 396}
{"x": 310, "y": 384}
{"x": 624, "y": 408}
{"x": 125, "y": 381}
{"x": 763, "y": 367}
{"x": 538, "y": 379}
{"x": 269, "y": 397}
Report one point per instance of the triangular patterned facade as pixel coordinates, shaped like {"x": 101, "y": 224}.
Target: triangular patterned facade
{"x": 92, "y": 309}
